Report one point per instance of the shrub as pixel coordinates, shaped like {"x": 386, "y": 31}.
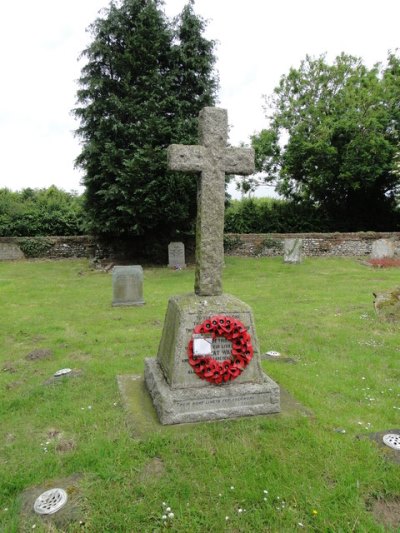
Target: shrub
{"x": 267, "y": 215}
{"x": 35, "y": 247}
{"x": 40, "y": 212}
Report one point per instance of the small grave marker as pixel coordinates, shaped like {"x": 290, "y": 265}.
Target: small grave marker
{"x": 127, "y": 283}
{"x": 382, "y": 248}
{"x": 176, "y": 255}
{"x": 293, "y": 251}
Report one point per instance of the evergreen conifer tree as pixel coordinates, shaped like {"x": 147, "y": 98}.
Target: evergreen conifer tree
{"x": 145, "y": 81}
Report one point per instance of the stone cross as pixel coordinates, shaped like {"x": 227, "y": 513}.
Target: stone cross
{"x": 212, "y": 158}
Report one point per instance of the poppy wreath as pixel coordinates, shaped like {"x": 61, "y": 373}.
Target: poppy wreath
{"x": 242, "y": 350}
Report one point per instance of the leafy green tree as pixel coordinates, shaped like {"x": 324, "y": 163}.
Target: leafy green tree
{"x": 334, "y": 131}
{"x": 145, "y": 80}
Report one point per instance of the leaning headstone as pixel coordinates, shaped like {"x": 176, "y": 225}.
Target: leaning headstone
{"x": 382, "y": 248}
{"x": 127, "y": 284}
{"x": 10, "y": 252}
{"x": 293, "y": 250}
{"x": 208, "y": 363}
{"x": 176, "y": 255}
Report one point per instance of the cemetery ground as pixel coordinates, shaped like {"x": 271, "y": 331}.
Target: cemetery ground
{"x": 307, "y": 469}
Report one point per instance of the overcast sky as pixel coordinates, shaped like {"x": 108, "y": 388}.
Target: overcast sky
{"x": 258, "y": 41}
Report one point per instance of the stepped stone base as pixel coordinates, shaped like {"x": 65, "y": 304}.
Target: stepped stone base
{"x": 176, "y": 406}
{"x": 178, "y": 394}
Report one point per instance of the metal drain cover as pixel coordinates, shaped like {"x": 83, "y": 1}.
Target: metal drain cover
{"x": 62, "y": 372}
{"x": 51, "y": 501}
{"x": 272, "y": 353}
{"x": 392, "y": 440}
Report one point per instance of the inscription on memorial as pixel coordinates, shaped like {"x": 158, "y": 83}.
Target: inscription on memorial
{"x": 228, "y": 401}
{"x": 221, "y": 349}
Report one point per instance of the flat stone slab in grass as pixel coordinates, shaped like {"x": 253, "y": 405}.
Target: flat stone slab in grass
{"x": 71, "y": 515}
{"x": 390, "y": 453}
{"x": 142, "y": 417}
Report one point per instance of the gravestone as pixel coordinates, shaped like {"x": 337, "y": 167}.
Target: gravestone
{"x": 382, "y": 248}
{"x": 10, "y": 252}
{"x": 127, "y": 284}
{"x": 293, "y": 251}
{"x": 176, "y": 255}
{"x": 183, "y": 389}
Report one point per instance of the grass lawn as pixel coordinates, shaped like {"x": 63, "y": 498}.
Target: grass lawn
{"x": 289, "y": 472}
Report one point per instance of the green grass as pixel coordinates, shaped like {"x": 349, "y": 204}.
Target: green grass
{"x": 319, "y": 313}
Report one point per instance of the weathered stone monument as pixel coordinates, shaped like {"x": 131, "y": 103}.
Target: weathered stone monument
{"x": 127, "y": 284}
{"x": 208, "y": 362}
{"x": 293, "y": 251}
{"x": 176, "y": 255}
{"x": 383, "y": 248}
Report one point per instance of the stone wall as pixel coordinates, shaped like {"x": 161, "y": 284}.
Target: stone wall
{"x": 13, "y": 248}
{"x": 314, "y": 244}
{"x": 266, "y": 244}
{"x": 46, "y": 247}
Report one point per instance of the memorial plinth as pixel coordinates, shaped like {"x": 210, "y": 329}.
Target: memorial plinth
{"x": 178, "y": 394}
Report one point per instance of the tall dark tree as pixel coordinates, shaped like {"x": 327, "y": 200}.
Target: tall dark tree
{"x": 145, "y": 80}
{"x": 334, "y": 132}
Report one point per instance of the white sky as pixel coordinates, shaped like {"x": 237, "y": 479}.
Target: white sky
{"x": 259, "y": 40}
